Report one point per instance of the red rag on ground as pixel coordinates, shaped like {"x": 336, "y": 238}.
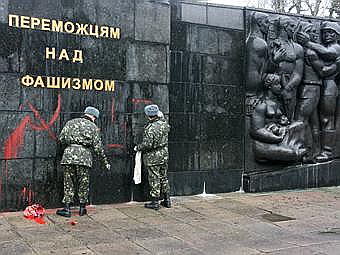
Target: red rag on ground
{"x": 35, "y": 212}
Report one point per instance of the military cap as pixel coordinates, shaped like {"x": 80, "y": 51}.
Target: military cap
{"x": 93, "y": 111}
{"x": 331, "y": 25}
{"x": 151, "y": 110}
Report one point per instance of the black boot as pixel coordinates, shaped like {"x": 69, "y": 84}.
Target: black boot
{"x": 154, "y": 204}
{"x": 167, "y": 201}
{"x": 66, "y": 212}
{"x": 82, "y": 209}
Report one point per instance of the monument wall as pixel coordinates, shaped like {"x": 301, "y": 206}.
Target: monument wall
{"x": 206, "y": 99}
{"x": 56, "y": 58}
{"x": 212, "y": 69}
{"x": 292, "y": 77}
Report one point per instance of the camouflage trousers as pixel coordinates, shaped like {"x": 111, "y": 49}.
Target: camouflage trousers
{"x": 158, "y": 180}
{"x": 73, "y": 175}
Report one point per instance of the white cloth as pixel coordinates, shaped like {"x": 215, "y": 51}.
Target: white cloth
{"x": 137, "y": 173}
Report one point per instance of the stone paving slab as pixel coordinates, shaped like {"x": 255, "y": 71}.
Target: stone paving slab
{"x": 275, "y": 223}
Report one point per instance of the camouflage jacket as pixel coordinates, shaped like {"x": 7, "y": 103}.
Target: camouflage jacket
{"x": 79, "y": 137}
{"x": 155, "y": 142}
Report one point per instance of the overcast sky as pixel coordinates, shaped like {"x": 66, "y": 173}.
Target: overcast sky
{"x": 236, "y": 2}
{"x": 266, "y": 4}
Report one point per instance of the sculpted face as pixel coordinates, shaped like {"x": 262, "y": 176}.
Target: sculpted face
{"x": 314, "y": 34}
{"x": 262, "y": 21}
{"x": 264, "y": 24}
{"x": 290, "y": 28}
{"x": 272, "y": 32}
{"x": 329, "y": 36}
{"x": 273, "y": 82}
{"x": 276, "y": 88}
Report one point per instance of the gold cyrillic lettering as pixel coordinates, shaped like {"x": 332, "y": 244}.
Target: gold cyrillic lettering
{"x": 87, "y": 84}
{"x": 115, "y": 32}
{"x": 45, "y": 24}
{"x": 76, "y": 81}
{"x": 78, "y": 56}
{"x": 27, "y": 80}
{"x": 94, "y": 32}
{"x": 66, "y": 82}
{"x": 63, "y": 54}
{"x": 109, "y": 85}
{"x": 49, "y": 52}
{"x": 39, "y": 82}
{"x": 82, "y": 29}
{"x": 100, "y": 87}
{"x": 24, "y": 22}
{"x": 57, "y": 25}
{"x": 35, "y": 22}
{"x": 104, "y": 31}
{"x": 66, "y": 27}
{"x": 10, "y": 20}
{"x": 51, "y": 82}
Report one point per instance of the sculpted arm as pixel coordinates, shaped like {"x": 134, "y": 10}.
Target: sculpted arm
{"x": 325, "y": 53}
{"x": 322, "y": 70}
{"x": 296, "y": 76}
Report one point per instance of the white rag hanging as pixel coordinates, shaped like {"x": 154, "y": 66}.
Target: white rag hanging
{"x": 137, "y": 173}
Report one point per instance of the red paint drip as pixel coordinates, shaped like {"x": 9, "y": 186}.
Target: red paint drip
{"x": 114, "y": 146}
{"x": 141, "y": 100}
{"x": 56, "y": 112}
{"x": 27, "y": 195}
{"x": 16, "y": 140}
{"x": 12, "y": 145}
{"x": 39, "y": 220}
{"x": 73, "y": 222}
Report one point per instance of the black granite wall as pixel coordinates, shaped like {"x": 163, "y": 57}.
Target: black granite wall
{"x": 206, "y": 102}
{"x": 31, "y": 118}
{"x": 188, "y": 58}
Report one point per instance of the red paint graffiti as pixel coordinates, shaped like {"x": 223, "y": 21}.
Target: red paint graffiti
{"x": 115, "y": 146}
{"x": 26, "y": 196}
{"x": 15, "y": 141}
{"x": 113, "y": 119}
{"x": 141, "y": 101}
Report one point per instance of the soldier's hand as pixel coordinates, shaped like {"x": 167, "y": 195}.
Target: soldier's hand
{"x": 302, "y": 38}
{"x": 279, "y": 55}
{"x": 108, "y": 167}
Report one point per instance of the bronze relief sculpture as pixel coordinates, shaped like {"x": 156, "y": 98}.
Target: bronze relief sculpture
{"x": 292, "y": 70}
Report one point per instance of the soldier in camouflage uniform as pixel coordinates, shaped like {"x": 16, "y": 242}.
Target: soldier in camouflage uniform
{"x": 79, "y": 137}
{"x": 155, "y": 156}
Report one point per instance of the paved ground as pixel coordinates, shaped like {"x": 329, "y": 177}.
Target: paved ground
{"x": 280, "y": 223}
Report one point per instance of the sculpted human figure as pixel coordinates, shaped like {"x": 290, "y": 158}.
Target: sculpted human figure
{"x": 309, "y": 92}
{"x": 256, "y": 52}
{"x": 275, "y": 139}
{"x": 309, "y": 96}
{"x": 329, "y": 52}
{"x": 288, "y": 55}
